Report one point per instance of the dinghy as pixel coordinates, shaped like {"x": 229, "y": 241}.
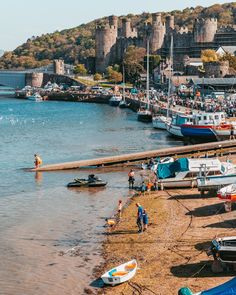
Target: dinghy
{"x": 120, "y": 274}
{"x": 227, "y": 193}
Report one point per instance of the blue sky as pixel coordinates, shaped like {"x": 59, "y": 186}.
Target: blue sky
{"x": 21, "y": 19}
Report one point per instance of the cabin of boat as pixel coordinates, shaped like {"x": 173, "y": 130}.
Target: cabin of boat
{"x": 174, "y": 128}
{"x": 115, "y": 100}
{"x": 184, "y": 172}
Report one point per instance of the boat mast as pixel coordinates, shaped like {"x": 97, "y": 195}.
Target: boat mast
{"x": 123, "y": 81}
{"x": 147, "y": 84}
{"x": 171, "y": 73}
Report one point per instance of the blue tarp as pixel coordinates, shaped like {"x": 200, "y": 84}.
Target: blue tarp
{"x": 167, "y": 170}
{"x": 228, "y": 288}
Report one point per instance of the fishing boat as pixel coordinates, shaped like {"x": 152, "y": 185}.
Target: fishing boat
{"x": 184, "y": 172}
{"x": 92, "y": 181}
{"x": 174, "y": 127}
{"x": 227, "y": 193}
{"x": 120, "y": 274}
{"x": 224, "y": 249}
{"x": 207, "y": 125}
{"x": 115, "y": 100}
{"x": 228, "y": 288}
{"x": 35, "y": 97}
{"x": 144, "y": 114}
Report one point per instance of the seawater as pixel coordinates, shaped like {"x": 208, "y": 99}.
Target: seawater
{"x": 39, "y": 216}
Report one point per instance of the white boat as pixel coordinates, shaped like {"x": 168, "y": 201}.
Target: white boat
{"x": 35, "y": 97}
{"x": 120, "y": 274}
{"x": 224, "y": 249}
{"x": 214, "y": 183}
{"x": 184, "y": 172}
{"x": 227, "y": 193}
{"x": 159, "y": 122}
{"x": 115, "y": 100}
{"x": 144, "y": 115}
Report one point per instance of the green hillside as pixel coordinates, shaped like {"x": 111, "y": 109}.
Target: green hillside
{"x": 77, "y": 45}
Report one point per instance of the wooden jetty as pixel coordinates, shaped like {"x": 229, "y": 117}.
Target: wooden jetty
{"x": 209, "y": 149}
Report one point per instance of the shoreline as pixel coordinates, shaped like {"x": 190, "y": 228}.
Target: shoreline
{"x": 172, "y": 253}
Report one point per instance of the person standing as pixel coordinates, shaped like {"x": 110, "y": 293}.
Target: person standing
{"x": 131, "y": 178}
{"x": 145, "y": 219}
{"x": 232, "y": 133}
{"x": 139, "y": 217}
{"x": 37, "y": 161}
{"x": 120, "y": 205}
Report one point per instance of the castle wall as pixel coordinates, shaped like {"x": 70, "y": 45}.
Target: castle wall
{"x": 158, "y": 32}
{"x": 205, "y": 30}
{"x": 59, "y": 67}
{"x": 127, "y": 31}
{"x": 216, "y": 69}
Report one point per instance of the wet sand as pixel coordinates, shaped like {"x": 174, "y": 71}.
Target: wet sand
{"x": 172, "y": 253}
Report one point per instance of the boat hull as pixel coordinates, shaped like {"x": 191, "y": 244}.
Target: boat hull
{"x": 159, "y": 122}
{"x": 114, "y": 103}
{"x": 173, "y": 183}
{"x": 174, "y": 130}
{"x": 197, "y": 131}
{"x": 91, "y": 184}
{"x": 145, "y": 118}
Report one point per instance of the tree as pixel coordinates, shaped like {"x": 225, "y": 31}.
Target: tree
{"x": 230, "y": 58}
{"x": 97, "y": 77}
{"x": 209, "y": 55}
{"x": 113, "y": 75}
{"x": 80, "y": 70}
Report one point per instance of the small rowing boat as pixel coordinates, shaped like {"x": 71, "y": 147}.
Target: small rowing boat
{"x": 120, "y": 274}
{"x": 227, "y": 193}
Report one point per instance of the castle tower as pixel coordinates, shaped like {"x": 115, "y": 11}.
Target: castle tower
{"x": 170, "y": 23}
{"x": 204, "y": 30}
{"x": 158, "y": 31}
{"x": 58, "y": 67}
{"x": 127, "y": 30}
{"x": 105, "y": 39}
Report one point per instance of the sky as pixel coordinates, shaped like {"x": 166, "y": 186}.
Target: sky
{"x": 22, "y": 19}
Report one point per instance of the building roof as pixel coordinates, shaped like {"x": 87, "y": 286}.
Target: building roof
{"x": 214, "y": 81}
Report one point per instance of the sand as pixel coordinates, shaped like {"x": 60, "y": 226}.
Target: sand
{"x": 172, "y": 253}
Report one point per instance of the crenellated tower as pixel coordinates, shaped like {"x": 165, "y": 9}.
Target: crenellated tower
{"x": 158, "y": 32}
{"x": 105, "y": 39}
{"x": 127, "y": 31}
{"x": 204, "y": 30}
{"x": 170, "y": 23}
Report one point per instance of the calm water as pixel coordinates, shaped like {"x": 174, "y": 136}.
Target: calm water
{"x": 39, "y": 216}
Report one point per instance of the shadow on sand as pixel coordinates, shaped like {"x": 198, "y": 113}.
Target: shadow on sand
{"x": 224, "y": 224}
{"x": 208, "y": 210}
{"x": 190, "y": 197}
{"x": 201, "y": 270}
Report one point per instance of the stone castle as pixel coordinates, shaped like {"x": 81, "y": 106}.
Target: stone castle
{"x": 113, "y": 39}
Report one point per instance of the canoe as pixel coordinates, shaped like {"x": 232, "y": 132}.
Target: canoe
{"x": 120, "y": 274}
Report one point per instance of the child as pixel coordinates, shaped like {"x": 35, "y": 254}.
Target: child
{"x": 145, "y": 220}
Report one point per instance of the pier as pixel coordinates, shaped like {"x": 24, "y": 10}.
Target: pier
{"x": 197, "y": 150}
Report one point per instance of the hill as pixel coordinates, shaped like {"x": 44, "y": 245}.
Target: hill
{"x": 77, "y": 45}
{"x": 1, "y": 52}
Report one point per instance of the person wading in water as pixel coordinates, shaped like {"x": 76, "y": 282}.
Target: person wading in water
{"x": 37, "y": 161}
{"x": 131, "y": 178}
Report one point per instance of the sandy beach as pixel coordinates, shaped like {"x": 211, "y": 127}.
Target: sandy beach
{"x": 172, "y": 253}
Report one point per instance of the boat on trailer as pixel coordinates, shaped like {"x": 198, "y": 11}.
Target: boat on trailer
{"x": 120, "y": 274}
{"x": 228, "y": 288}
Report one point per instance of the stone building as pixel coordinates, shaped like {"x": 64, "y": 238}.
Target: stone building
{"x": 113, "y": 39}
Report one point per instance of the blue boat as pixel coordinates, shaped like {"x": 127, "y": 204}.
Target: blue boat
{"x": 204, "y": 125}
{"x": 228, "y": 288}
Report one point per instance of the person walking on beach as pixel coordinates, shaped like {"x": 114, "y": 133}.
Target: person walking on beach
{"x": 120, "y": 205}
{"x": 37, "y": 161}
{"x": 139, "y": 217}
{"x": 131, "y": 178}
{"x": 145, "y": 219}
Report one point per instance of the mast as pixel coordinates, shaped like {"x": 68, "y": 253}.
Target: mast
{"x": 171, "y": 73}
{"x": 123, "y": 68}
{"x": 147, "y": 85}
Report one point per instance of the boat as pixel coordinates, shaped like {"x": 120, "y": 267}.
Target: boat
{"x": 214, "y": 183}
{"x": 175, "y": 126}
{"x": 92, "y": 181}
{"x": 144, "y": 114}
{"x": 115, "y": 100}
{"x": 153, "y": 165}
{"x": 35, "y": 97}
{"x": 227, "y": 193}
{"x": 120, "y": 274}
{"x": 224, "y": 249}
{"x": 184, "y": 172}
{"x": 228, "y": 288}
{"x": 207, "y": 125}
{"x": 159, "y": 122}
